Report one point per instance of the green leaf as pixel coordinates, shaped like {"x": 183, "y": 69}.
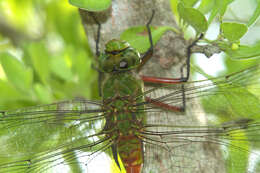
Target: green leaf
{"x": 174, "y": 4}
{"x": 19, "y": 75}
{"x": 43, "y": 94}
{"x": 189, "y": 3}
{"x": 224, "y": 4}
{"x": 81, "y": 60}
{"x": 233, "y": 31}
{"x": 206, "y": 6}
{"x": 228, "y": 106}
{"x": 61, "y": 68}
{"x": 235, "y": 154}
{"x": 40, "y": 59}
{"x": 138, "y": 36}
{"x": 193, "y": 17}
{"x": 255, "y": 15}
{"x": 245, "y": 52}
{"x": 219, "y": 7}
{"x": 8, "y": 92}
{"x": 91, "y": 5}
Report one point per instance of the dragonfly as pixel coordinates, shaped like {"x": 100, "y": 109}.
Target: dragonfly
{"x": 73, "y": 132}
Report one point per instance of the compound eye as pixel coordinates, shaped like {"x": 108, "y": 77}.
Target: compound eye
{"x": 123, "y": 64}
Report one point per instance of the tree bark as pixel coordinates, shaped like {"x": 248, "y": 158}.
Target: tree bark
{"x": 169, "y": 54}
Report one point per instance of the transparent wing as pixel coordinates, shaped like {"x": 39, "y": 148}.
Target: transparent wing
{"x": 229, "y": 147}
{"x": 64, "y": 133}
{"x": 222, "y": 137}
{"x": 37, "y": 138}
{"x": 231, "y": 96}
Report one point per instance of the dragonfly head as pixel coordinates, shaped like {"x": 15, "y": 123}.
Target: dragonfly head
{"x": 118, "y": 56}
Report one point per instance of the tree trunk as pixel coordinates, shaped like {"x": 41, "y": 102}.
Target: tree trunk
{"x": 196, "y": 157}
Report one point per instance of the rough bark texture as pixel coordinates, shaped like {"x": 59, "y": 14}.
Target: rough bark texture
{"x": 169, "y": 55}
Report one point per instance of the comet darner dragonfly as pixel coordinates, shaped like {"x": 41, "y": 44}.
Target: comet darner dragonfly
{"x": 45, "y": 137}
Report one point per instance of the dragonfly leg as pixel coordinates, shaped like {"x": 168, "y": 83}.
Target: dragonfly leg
{"x": 183, "y": 93}
{"x": 164, "y": 105}
{"x": 186, "y": 78}
{"x": 100, "y": 74}
{"x": 2, "y": 112}
{"x": 164, "y": 80}
{"x": 161, "y": 80}
{"x": 98, "y": 34}
{"x": 182, "y": 79}
{"x": 167, "y": 81}
{"x": 148, "y": 54}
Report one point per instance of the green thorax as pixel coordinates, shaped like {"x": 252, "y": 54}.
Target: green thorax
{"x": 121, "y": 85}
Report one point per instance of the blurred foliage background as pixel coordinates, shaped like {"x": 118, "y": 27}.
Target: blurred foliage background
{"x": 44, "y": 54}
